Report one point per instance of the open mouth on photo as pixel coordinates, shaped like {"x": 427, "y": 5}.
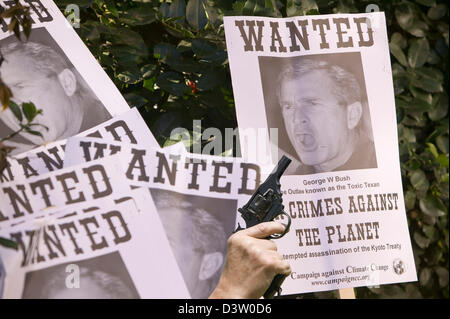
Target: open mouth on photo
{"x": 306, "y": 140}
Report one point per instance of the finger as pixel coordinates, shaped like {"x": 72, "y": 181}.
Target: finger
{"x": 263, "y": 244}
{"x": 281, "y": 266}
{"x": 275, "y": 264}
{"x": 264, "y": 230}
{"x": 284, "y": 268}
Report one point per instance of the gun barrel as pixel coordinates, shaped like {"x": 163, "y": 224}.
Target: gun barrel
{"x": 282, "y": 165}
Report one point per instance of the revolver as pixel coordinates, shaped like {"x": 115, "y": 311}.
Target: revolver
{"x": 265, "y": 205}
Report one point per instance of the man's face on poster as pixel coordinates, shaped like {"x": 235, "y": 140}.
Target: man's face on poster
{"x": 50, "y": 93}
{"x": 316, "y": 122}
{"x": 88, "y": 290}
{"x": 197, "y": 266}
{"x": 179, "y": 230}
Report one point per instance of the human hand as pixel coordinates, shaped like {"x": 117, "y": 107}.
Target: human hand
{"x": 251, "y": 263}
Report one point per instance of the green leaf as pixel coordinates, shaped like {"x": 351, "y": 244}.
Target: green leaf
{"x": 399, "y": 40}
{"x": 128, "y": 77}
{"x": 397, "y": 52}
{"x": 439, "y": 108}
{"x": 165, "y": 123}
{"x": 16, "y": 110}
{"x": 29, "y": 110}
{"x": 126, "y": 43}
{"x": 8, "y": 243}
{"x": 404, "y": 14}
{"x": 418, "y": 53}
{"x": 176, "y": 29}
{"x": 143, "y": 14}
{"x": 259, "y": 8}
{"x": 135, "y": 100}
{"x": 443, "y": 276}
{"x": 165, "y": 51}
{"x": 111, "y": 7}
{"x": 421, "y": 96}
{"x": 209, "y": 80}
{"x": 437, "y": 12}
{"x": 424, "y": 277}
{"x": 249, "y": 7}
{"x": 433, "y": 57}
{"x": 238, "y": 7}
{"x": 148, "y": 70}
{"x": 177, "y": 10}
{"x": 213, "y": 15}
{"x": 401, "y": 81}
{"x": 202, "y": 47}
{"x": 429, "y": 231}
{"x": 432, "y": 206}
{"x": 406, "y": 134}
{"x": 217, "y": 58}
{"x": 442, "y": 143}
{"x": 419, "y": 181}
{"x": 443, "y": 160}
{"x": 420, "y": 240}
{"x": 186, "y": 65}
{"x": 196, "y": 15}
{"x": 428, "y": 79}
{"x": 410, "y": 200}
{"x": 33, "y": 132}
{"x": 173, "y": 83}
{"x": 301, "y": 7}
{"x": 419, "y": 29}
{"x": 432, "y": 149}
{"x": 164, "y": 9}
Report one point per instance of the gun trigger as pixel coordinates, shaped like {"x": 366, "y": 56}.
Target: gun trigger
{"x": 238, "y": 228}
{"x": 279, "y": 290}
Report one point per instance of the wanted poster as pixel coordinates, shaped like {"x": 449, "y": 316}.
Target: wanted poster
{"x": 319, "y": 90}
{"x": 54, "y": 70}
{"x": 112, "y": 252}
{"x": 26, "y": 199}
{"x": 129, "y": 127}
{"x": 195, "y": 195}
{"x": 173, "y": 168}
{"x": 83, "y": 149}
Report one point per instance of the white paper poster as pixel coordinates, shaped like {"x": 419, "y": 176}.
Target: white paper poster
{"x": 55, "y": 71}
{"x": 112, "y": 252}
{"x": 195, "y": 195}
{"x": 319, "y": 90}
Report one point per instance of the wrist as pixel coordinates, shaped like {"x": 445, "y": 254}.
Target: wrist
{"x": 223, "y": 291}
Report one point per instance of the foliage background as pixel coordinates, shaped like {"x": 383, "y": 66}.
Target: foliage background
{"x": 168, "y": 58}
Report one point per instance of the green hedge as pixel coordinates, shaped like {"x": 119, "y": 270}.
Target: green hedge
{"x": 169, "y": 59}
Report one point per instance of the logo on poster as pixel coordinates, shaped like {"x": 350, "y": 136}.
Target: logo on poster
{"x": 398, "y": 266}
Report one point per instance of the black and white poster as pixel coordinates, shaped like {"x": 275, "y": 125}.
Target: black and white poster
{"x": 27, "y": 198}
{"x": 195, "y": 195}
{"x": 112, "y": 251}
{"x": 54, "y": 70}
{"x": 318, "y": 89}
{"x": 197, "y": 228}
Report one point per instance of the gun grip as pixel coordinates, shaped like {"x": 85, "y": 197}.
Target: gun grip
{"x": 274, "y": 286}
